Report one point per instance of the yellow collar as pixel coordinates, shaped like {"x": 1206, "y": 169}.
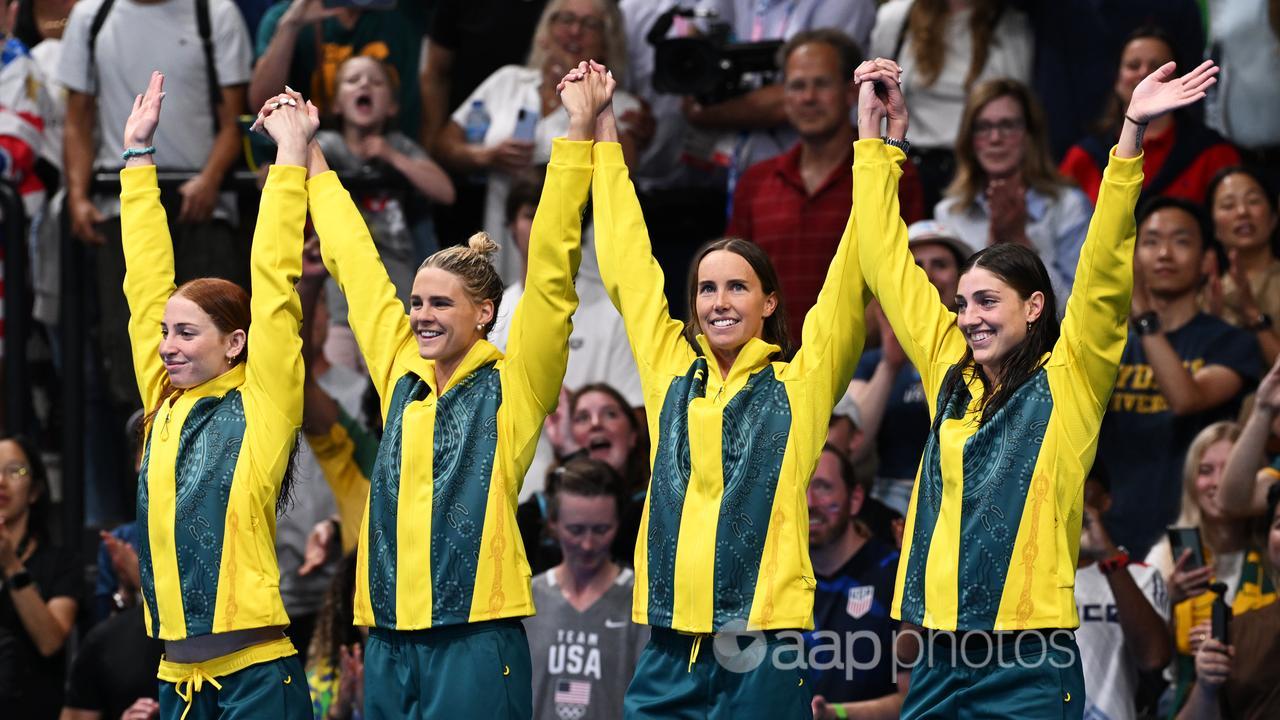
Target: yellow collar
{"x": 751, "y": 358}
{"x": 480, "y": 353}
{"x": 219, "y": 386}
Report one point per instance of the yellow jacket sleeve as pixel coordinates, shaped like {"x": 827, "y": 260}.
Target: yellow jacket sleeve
{"x": 1096, "y": 325}
{"x": 538, "y": 343}
{"x": 835, "y": 327}
{"x": 274, "y": 369}
{"x": 148, "y": 277}
{"x": 630, "y": 274}
{"x": 376, "y": 316}
{"x": 924, "y": 326}
{"x": 345, "y": 455}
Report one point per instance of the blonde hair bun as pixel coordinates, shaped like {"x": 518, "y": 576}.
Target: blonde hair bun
{"x": 483, "y": 245}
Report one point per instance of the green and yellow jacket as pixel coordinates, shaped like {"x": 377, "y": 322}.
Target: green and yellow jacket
{"x": 439, "y": 543}
{"x": 993, "y": 528}
{"x": 724, "y": 538}
{"x": 215, "y": 454}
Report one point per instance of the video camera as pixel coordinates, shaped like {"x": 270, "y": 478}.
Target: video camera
{"x": 708, "y": 66}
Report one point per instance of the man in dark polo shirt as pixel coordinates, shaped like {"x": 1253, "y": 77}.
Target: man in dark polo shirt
{"x": 796, "y": 205}
{"x": 851, "y": 650}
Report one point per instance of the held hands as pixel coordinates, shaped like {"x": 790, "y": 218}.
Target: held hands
{"x": 1160, "y": 92}
{"x": 880, "y": 97}
{"x": 291, "y": 122}
{"x": 586, "y": 92}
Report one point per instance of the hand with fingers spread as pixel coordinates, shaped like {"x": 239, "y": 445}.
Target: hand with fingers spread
{"x": 140, "y": 128}
{"x": 1160, "y": 92}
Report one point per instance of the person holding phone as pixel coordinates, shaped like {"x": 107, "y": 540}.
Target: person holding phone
{"x": 442, "y": 578}
{"x": 1015, "y": 400}
{"x": 525, "y": 111}
{"x": 1216, "y": 547}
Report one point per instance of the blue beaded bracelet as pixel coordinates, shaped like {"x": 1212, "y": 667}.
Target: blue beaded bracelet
{"x": 134, "y": 152}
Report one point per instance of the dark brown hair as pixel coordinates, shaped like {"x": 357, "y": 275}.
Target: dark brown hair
{"x": 927, "y": 27}
{"x": 584, "y": 477}
{"x": 775, "y": 326}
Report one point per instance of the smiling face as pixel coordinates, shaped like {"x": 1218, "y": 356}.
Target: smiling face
{"x": 993, "y": 316}
{"x": 1141, "y": 57}
{"x": 576, "y": 32}
{"x": 364, "y": 96}
{"x": 17, "y": 492}
{"x": 1209, "y": 475}
{"x": 192, "y": 348}
{"x": 444, "y": 317}
{"x": 603, "y": 427}
{"x": 831, "y": 504}
{"x": 1000, "y": 137}
{"x": 1170, "y": 253}
{"x": 730, "y": 302}
{"x": 1243, "y": 217}
{"x": 585, "y": 528}
{"x": 817, "y": 100}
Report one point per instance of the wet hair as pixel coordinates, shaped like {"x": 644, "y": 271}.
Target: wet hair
{"x": 1197, "y": 213}
{"x": 847, "y": 49}
{"x": 38, "y": 512}
{"x": 583, "y": 477}
{"x": 775, "y": 329}
{"x": 473, "y": 265}
{"x": 1020, "y": 268}
{"x": 227, "y": 305}
{"x": 1038, "y": 169}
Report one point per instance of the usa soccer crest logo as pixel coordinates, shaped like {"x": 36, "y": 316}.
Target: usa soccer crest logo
{"x": 860, "y": 599}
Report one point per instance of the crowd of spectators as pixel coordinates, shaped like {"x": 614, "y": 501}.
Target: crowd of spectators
{"x": 445, "y": 111}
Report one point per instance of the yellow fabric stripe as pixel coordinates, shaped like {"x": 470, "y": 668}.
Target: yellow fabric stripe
{"x": 943, "y": 563}
{"x": 502, "y": 571}
{"x": 148, "y": 278}
{"x": 908, "y": 532}
{"x": 162, "y": 517}
{"x": 362, "y": 604}
{"x": 413, "y": 516}
{"x": 693, "y": 608}
{"x": 778, "y": 601}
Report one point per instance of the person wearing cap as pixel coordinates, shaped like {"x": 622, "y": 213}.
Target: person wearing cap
{"x": 1123, "y": 607}
{"x": 795, "y": 205}
{"x": 886, "y": 387}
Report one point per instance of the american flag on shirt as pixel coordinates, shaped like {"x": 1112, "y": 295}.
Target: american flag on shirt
{"x": 573, "y": 692}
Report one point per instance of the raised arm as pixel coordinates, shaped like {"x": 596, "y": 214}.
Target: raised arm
{"x": 630, "y": 274}
{"x": 835, "y": 327}
{"x": 538, "y": 339}
{"x": 376, "y": 315}
{"x": 275, "y": 368}
{"x": 922, "y": 324}
{"x": 1246, "y": 479}
{"x": 1095, "y": 327}
{"x": 148, "y": 249}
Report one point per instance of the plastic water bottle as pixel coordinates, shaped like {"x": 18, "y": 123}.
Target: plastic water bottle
{"x": 476, "y": 128}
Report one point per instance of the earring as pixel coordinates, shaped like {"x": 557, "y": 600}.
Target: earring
{"x": 1028, "y": 326}
{"x": 231, "y": 361}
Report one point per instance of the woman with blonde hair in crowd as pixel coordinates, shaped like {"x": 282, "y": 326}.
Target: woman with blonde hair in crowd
{"x": 525, "y": 111}
{"x": 220, "y": 433}
{"x": 1006, "y": 188}
{"x": 1228, "y": 544}
{"x": 441, "y": 575}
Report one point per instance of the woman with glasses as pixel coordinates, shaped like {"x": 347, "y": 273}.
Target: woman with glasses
{"x": 39, "y": 589}
{"x": 524, "y": 111}
{"x": 1006, "y": 189}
